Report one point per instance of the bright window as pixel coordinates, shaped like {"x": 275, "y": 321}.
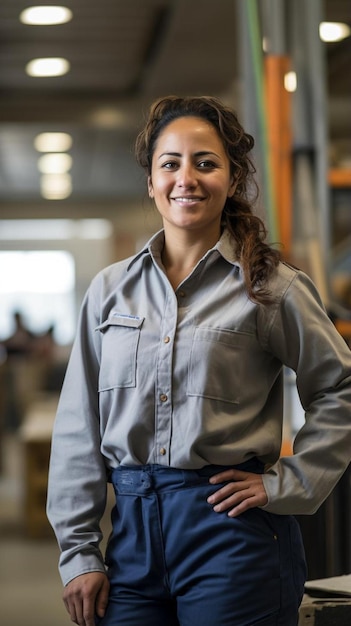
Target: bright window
{"x": 40, "y": 285}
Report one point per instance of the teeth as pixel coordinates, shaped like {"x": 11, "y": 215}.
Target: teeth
{"x": 186, "y": 199}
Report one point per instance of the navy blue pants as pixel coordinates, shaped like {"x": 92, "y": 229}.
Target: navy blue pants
{"x": 173, "y": 561}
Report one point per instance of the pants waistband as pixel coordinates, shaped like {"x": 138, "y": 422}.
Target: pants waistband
{"x": 142, "y": 479}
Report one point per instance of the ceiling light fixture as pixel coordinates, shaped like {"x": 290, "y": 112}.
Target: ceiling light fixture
{"x": 53, "y": 66}
{"x": 94, "y": 228}
{"x": 53, "y": 142}
{"x": 333, "y": 31}
{"x": 45, "y": 15}
{"x": 56, "y": 186}
{"x": 55, "y": 163}
{"x": 107, "y": 117}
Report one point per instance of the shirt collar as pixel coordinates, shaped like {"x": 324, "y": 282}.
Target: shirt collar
{"x": 153, "y": 247}
{"x": 225, "y": 246}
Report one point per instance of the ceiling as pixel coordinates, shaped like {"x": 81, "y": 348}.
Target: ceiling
{"x": 123, "y": 54}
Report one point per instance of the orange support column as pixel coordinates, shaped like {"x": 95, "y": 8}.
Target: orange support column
{"x": 279, "y": 131}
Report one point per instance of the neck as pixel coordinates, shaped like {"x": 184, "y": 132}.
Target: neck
{"x": 182, "y": 253}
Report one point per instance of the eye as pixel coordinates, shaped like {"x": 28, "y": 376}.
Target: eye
{"x": 206, "y": 165}
{"x": 169, "y": 165}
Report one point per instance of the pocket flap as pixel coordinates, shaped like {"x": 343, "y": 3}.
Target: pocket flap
{"x": 120, "y": 319}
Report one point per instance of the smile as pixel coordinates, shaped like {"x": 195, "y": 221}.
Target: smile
{"x": 187, "y": 199}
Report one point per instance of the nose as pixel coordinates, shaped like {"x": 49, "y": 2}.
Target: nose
{"x": 187, "y": 176}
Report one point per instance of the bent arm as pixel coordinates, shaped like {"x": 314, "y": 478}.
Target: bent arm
{"x": 303, "y": 338}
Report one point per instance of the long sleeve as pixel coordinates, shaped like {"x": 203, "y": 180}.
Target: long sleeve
{"x": 302, "y": 336}
{"x": 77, "y": 476}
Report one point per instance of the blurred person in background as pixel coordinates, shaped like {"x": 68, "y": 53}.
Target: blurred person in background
{"x": 21, "y": 341}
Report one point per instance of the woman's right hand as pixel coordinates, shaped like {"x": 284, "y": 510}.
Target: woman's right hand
{"x": 87, "y": 596}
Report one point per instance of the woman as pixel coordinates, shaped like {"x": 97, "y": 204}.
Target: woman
{"x": 174, "y": 394}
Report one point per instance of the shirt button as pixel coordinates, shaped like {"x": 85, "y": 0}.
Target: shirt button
{"x": 181, "y": 294}
{"x": 167, "y": 339}
{"x": 163, "y": 451}
{"x": 163, "y": 397}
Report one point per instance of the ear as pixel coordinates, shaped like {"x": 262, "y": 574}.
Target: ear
{"x": 150, "y": 187}
{"x": 232, "y": 187}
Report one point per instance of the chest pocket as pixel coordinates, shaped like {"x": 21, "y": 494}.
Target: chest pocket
{"x": 219, "y": 364}
{"x": 120, "y": 339}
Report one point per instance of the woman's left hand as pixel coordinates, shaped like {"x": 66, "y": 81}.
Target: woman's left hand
{"x": 244, "y": 491}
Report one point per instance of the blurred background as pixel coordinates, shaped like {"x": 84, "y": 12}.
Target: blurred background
{"x": 76, "y": 82}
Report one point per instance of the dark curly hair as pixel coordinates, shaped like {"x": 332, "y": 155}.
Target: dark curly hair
{"x": 257, "y": 258}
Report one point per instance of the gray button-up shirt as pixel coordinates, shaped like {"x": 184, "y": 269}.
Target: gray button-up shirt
{"x": 193, "y": 377}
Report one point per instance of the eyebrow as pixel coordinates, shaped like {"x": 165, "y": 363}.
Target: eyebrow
{"x": 197, "y": 154}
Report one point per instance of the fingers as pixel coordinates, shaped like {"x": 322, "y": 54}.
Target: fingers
{"x": 245, "y": 491}
{"x": 86, "y": 595}
{"x": 230, "y": 474}
{"x": 102, "y": 598}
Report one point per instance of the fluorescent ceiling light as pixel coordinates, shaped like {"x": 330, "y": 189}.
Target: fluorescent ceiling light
{"x": 53, "y": 66}
{"x": 55, "y": 163}
{"x": 13, "y": 230}
{"x": 53, "y": 142}
{"x": 107, "y": 117}
{"x": 56, "y": 186}
{"x": 45, "y": 15}
{"x": 333, "y": 31}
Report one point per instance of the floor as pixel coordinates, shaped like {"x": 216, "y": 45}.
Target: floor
{"x": 30, "y": 587}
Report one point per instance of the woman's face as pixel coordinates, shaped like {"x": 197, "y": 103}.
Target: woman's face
{"x": 190, "y": 176}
